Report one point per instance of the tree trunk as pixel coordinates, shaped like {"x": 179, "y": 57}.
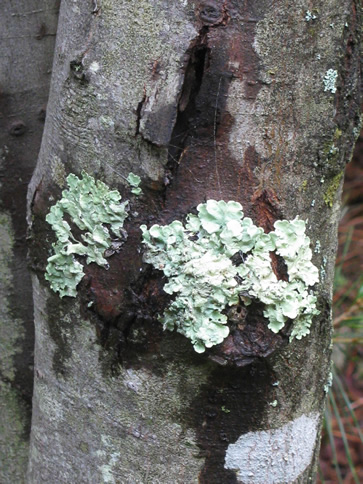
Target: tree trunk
{"x": 206, "y": 100}
{"x": 28, "y": 37}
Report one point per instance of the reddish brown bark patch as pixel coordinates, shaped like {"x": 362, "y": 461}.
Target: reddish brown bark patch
{"x": 266, "y": 208}
{"x": 199, "y": 158}
{"x": 249, "y": 338}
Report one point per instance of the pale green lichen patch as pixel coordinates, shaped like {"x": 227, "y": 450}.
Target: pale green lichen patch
{"x": 134, "y": 181}
{"x": 89, "y": 205}
{"x": 197, "y": 259}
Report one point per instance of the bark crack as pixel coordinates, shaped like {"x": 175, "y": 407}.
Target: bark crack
{"x": 138, "y": 113}
{"x": 198, "y": 63}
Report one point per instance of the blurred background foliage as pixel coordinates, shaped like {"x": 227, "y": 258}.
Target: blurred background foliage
{"x": 341, "y": 455}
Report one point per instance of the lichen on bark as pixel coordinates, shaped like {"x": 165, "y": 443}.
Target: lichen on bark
{"x": 221, "y": 259}
{"x": 244, "y": 98}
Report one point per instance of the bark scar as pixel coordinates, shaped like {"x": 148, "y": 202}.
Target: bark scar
{"x": 139, "y": 113}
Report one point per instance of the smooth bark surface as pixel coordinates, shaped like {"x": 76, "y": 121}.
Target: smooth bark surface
{"x": 203, "y": 100}
{"x": 27, "y": 42}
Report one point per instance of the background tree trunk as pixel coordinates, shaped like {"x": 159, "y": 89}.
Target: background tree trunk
{"x": 27, "y": 43}
{"x": 203, "y": 100}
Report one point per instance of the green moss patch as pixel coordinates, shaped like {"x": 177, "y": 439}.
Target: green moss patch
{"x": 330, "y": 193}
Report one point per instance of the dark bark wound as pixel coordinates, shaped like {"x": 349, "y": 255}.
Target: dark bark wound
{"x": 231, "y": 405}
{"x": 138, "y": 114}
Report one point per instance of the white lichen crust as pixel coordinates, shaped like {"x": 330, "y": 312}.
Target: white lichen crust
{"x": 310, "y": 16}
{"x": 330, "y": 80}
{"x": 197, "y": 259}
{"x": 89, "y": 205}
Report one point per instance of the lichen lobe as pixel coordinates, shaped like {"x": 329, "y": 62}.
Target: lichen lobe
{"x": 89, "y": 205}
{"x": 221, "y": 259}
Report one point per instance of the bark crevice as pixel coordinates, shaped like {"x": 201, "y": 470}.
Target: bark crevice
{"x": 198, "y": 63}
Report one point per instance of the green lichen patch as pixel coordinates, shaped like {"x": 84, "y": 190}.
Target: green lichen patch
{"x": 198, "y": 261}
{"x": 331, "y": 191}
{"x": 90, "y": 205}
{"x": 134, "y": 181}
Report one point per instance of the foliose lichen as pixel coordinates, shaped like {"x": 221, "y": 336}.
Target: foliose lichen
{"x": 134, "y": 181}
{"x": 198, "y": 261}
{"x": 89, "y": 205}
{"x": 329, "y": 80}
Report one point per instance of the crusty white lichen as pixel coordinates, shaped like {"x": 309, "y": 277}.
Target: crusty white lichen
{"x": 197, "y": 259}
{"x": 89, "y": 205}
{"x": 310, "y": 16}
{"x": 329, "y": 382}
{"x": 330, "y": 80}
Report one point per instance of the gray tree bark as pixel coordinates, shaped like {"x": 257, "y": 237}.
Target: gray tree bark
{"x": 27, "y": 43}
{"x": 203, "y": 100}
